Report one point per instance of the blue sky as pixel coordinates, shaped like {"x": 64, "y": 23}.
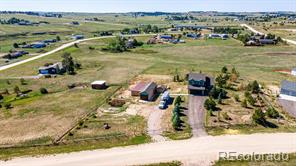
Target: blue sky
{"x": 101, "y": 6}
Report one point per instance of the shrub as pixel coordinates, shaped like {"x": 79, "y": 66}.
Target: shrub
{"x": 272, "y": 113}
{"x": 210, "y": 104}
{"x": 1, "y": 97}
{"x": 23, "y": 82}
{"x": 244, "y": 103}
{"x": 7, "y": 105}
{"x": 258, "y": 117}
{"x": 216, "y": 92}
{"x": 226, "y": 116}
{"x": 236, "y": 97}
{"x": 43, "y": 91}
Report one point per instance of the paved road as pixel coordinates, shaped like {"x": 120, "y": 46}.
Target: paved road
{"x": 196, "y": 115}
{"x": 59, "y": 49}
{"x": 255, "y": 31}
{"x": 198, "y": 151}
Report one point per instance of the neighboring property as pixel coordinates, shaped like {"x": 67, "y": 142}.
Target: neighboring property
{"x": 99, "y": 85}
{"x": 77, "y": 37}
{"x": 288, "y": 90}
{"x": 293, "y": 72}
{"x": 199, "y": 84}
{"x": 50, "y": 41}
{"x": 38, "y": 45}
{"x": 218, "y": 36}
{"x": 51, "y": 69}
{"x": 193, "y": 35}
{"x": 149, "y": 92}
{"x": 166, "y": 37}
{"x": 16, "y": 54}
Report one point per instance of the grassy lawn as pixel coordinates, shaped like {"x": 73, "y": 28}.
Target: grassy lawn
{"x": 290, "y": 162}
{"x": 6, "y": 154}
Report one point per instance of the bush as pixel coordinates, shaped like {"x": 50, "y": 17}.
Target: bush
{"x": 210, "y": 104}
{"x": 1, "y": 97}
{"x": 244, "y": 103}
{"x": 43, "y": 91}
{"x": 23, "y": 82}
{"x": 272, "y": 113}
{"x": 7, "y": 105}
{"x": 258, "y": 117}
{"x": 216, "y": 92}
{"x": 226, "y": 116}
{"x": 236, "y": 97}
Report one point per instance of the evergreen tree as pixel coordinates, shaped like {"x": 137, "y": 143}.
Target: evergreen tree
{"x": 258, "y": 117}
{"x": 68, "y": 63}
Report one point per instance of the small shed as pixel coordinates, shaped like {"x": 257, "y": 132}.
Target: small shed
{"x": 99, "y": 84}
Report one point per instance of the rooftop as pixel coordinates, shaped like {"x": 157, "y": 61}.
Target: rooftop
{"x": 196, "y": 76}
{"x": 99, "y": 82}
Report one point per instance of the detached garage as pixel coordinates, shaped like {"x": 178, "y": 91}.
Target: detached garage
{"x": 99, "y": 85}
{"x": 149, "y": 92}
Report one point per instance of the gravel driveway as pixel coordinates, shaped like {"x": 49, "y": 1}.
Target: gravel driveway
{"x": 154, "y": 125}
{"x": 196, "y": 115}
{"x": 289, "y": 106}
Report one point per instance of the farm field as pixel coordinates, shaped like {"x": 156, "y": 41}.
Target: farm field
{"x": 253, "y": 63}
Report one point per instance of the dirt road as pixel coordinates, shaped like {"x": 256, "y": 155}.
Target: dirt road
{"x": 197, "y": 151}
{"x": 255, "y": 31}
{"x": 196, "y": 115}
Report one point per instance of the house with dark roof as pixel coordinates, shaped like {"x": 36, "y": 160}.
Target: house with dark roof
{"x": 288, "y": 90}
{"x": 199, "y": 84}
{"x": 38, "y": 45}
{"x": 51, "y": 69}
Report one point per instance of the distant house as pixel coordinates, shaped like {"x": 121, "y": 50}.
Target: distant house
{"x": 267, "y": 41}
{"x": 191, "y": 27}
{"x": 199, "y": 84}
{"x": 75, "y": 23}
{"x": 51, "y": 69}
{"x": 38, "y": 45}
{"x": 193, "y": 35}
{"x": 213, "y": 36}
{"x": 149, "y": 92}
{"x": 99, "y": 85}
{"x": 15, "y": 54}
{"x": 50, "y": 41}
{"x": 293, "y": 72}
{"x": 166, "y": 37}
{"x": 77, "y": 37}
{"x": 288, "y": 90}
{"x": 217, "y": 36}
